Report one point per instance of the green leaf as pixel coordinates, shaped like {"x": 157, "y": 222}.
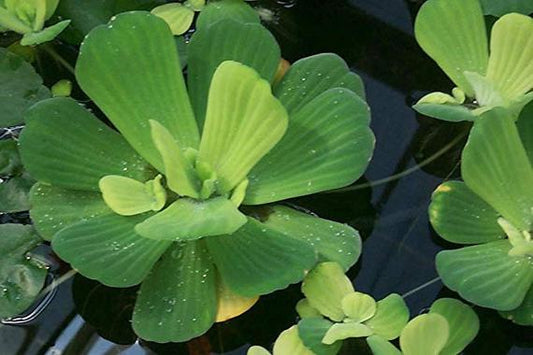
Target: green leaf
{"x": 230, "y": 304}
{"x": 236, "y": 10}
{"x": 178, "y": 17}
{"x": 380, "y": 346}
{"x": 325, "y": 286}
{"x": 462, "y": 321}
{"x": 177, "y": 301}
{"x": 21, "y": 87}
{"x": 341, "y": 331}
{"x": 309, "y": 77}
{"x": 128, "y": 197}
{"x": 10, "y": 163}
{"x": 453, "y": 34}
{"x": 426, "y": 334}
{"x": 446, "y": 112}
{"x": 131, "y": 70}
{"x": 495, "y": 166}
{"x": 179, "y": 172}
{"x": 243, "y": 122}
{"x": 304, "y": 309}
{"x": 522, "y": 315}
{"x": 333, "y": 241}
{"x": 65, "y": 145}
{"x": 54, "y": 208}
{"x": 45, "y": 35}
{"x": 188, "y": 219}
{"x": 257, "y": 350}
{"x": 460, "y": 216}
{"x": 486, "y": 275}
{"x": 106, "y": 248}
{"x": 21, "y": 278}
{"x": 486, "y": 92}
{"x": 328, "y": 145}
{"x": 498, "y": 8}
{"x": 257, "y": 260}
{"x": 311, "y": 331}
{"x": 14, "y": 194}
{"x": 250, "y": 44}
{"x": 62, "y": 88}
{"x": 358, "y": 306}
{"x": 525, "y": 129}
{"x": 289, "y": 342}
{"x": 510, "y": 45}
{"x": 391, "y": 317}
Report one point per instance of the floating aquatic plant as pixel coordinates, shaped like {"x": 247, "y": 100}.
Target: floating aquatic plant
{"x": 333, "y": 311}
{"x": 160, "y": 204}
{"x": 27, "y": 17}
{"x": 453, "y": 33}
{"x": 492, "y": 208}
{"x": 179, "y": 16}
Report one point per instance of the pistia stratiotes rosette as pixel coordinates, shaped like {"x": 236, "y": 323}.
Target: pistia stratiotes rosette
{"x": 492, "y": 208}
{"x": 453, "y": 33}
{"x": 158, "y": 204}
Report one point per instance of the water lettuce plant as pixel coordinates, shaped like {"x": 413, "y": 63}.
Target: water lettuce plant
{"x": 162, "y": 205}
{"x": 492, "y": 209}
{"x": 179, "y": 16}
{"x": 27, "y": 17}
{"x": 453, "y": 33}
{"x": 333, "y": 311}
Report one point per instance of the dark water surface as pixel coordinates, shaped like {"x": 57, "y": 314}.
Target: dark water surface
{"x": 376, "y": 38}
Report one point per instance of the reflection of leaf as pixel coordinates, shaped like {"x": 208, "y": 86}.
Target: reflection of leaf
{"x": 21, "y": 87}
{"x": 21, "y": 278}
{"x": 107, "y": 309}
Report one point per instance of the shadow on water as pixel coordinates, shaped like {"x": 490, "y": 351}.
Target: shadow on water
{"x": 376, "y": 39}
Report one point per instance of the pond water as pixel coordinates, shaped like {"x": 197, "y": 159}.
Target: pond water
{"x": 376, "y": 38}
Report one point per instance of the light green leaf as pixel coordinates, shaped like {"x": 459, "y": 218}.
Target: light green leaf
{"x": 243, "y": 122}
{"x": 236, "y": 10}
{"x": 522, "y": 315}
{"x": 511, "y": 48}
{"x": 442, "y": 98}
{"x": 446, "y": 112}
{"x": 391, "y": 317}
{"x": 452, "y": 33}
{"x": 78, "y": 159}
{"x": 325, "y": 286}
{"x": 309, "y": 77}
{"x": 358, "y": 306}
{"x": 178, "y": 16}
{"x": 486, "y": 92}
{"x": 107, "y": 249}
{"x": 47, "y": 34}
{"x": 304, "y": 309}
{"x": 179, "y": 172}
{"x": 495, "y": 166}
{"x": 311, "y": 331}
{"x": 380, "y": 346}
{"x": 328, "y": 145}
{"x": 289, "y": 342}
{"x": 128, "y": 197}
{"x": 462, "y": 321}
{"x": 257, "y": 260}
{"x": 177, "y": 301}
{"x": 525, "y": 129}
{"x": 9, "y": 20}
{"x": 250, "y": 44}
{"x": 257, "y": 350}
{"x": 426, "y": 334}
{"x": 341, "y": 331}
{"x": 196, "y": 5}
{"x": 498, "y": 8}
{"x": 131, "y": 70}
{"x": 460, "y": 216}
{"x": 21, "y": 87}
{"x": 53, "y": 208}
{"x": 188, "y": 219}
{"x": 333, "y": 241}
{"x": 14, "y": 194}
{"x": 62, "y": 88}
{"x": 486, "y": 275}
{"x": 21, "y": 278}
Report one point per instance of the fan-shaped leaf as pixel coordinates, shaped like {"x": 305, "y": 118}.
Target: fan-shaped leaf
{"x": 304, "y": 309}
{"x": 178, "y": 16}
{"x": 358, "y": 306}
{"x": 486, "y": 275}
{"x": 341, "y": 331}
{"x": 391, "y": 317}
{"x": 236, "y": 10}
{"x": 177, "y": 301}
{"x": 132, "y": 92}
{"x": 289, "y": 342}
{"x": 460, "y": 216}
{"x": 426, "y": 334}
{"x": 311, "y": 331}
{"x": 522, "y": 315}
{"x": 230, "y": 304}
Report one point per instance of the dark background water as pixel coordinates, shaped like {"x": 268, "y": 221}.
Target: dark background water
{"x": 376, "y": 38}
